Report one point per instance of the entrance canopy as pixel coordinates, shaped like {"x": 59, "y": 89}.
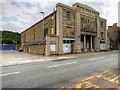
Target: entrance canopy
{"x": 68, "y": 39}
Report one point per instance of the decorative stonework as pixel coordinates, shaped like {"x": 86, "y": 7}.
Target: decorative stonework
{"x": 66, "y": 22}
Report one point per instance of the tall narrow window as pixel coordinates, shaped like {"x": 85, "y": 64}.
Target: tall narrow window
{"x": 101, "y": 24}
{"x": 45, "y": 32}
{"x": 82, "y": 19}
{"x": 68, "y": 15}
{"x": 102, "y": 35}
{"x": 88, "y": 21}
{"x": 52, "y": 30}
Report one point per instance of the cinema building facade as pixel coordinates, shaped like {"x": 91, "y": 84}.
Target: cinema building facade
{"x": 68, "y": 29}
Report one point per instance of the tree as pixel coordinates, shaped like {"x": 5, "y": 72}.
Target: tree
{"x": 9, "y": 37}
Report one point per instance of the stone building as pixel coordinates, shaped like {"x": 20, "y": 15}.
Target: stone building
{"x": 114, "y": 36}
{"x": 69, "y": 29}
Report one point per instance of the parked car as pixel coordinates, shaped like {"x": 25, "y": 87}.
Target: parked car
{"x": 21, "y": 50}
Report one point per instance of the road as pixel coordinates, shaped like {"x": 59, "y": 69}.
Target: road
{"x": 57, "y": 73}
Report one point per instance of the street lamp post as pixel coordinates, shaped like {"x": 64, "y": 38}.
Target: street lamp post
{"x": 43, "y": 32}
{"x": 43, "y": 23}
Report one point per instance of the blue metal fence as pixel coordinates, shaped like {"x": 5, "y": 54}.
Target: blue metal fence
{"x": 8, "y": 47}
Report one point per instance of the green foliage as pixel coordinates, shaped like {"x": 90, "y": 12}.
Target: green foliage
{"x": 9, "y": 37}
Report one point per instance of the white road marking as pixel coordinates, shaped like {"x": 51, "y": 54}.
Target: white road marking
{"x": 50, "y": 59}
{"x": 113, "y": 55}
{"x": 19, "y": 58}
{"x": 96, "y": 58}
{"x": 9, "y": 74}
{"x": 12, "y": 62}
{"x": 61, "y": 65}
{"x": 25, "y": 61}
{"x": 93, "y": 59}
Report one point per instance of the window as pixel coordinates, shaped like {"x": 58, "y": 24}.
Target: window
{"x": 88, "y": 21}
{"x": 101, "y": 24}
{"x": 82, "y": 19}
{"x": 45, "y": 32}
{"x": 64, "y": 41}
{"x": 102, "y": 35}
{"x": 68, "y": 15}
{"x": 102, "y": 42}
{"x": 52, "y": 30}
{"x": 52, "y": 47}
{"x": 68, "y": 41}
{"x": 68, "y": 30}
{"x": 82, "y": 26}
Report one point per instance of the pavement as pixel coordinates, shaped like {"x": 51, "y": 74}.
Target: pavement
{"x": 91, "y": 68}
{"x": 11, "y": 57}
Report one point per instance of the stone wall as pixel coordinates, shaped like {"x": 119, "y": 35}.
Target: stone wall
{"x": 49, "y": 41}
{"x": 35, "y": 33}
{"x": 68, "y": 24}
{"x": 38, "y": 31}
{"x": 65, "y": 22}
{"x": 23, "y": 38}
{"x": 59, "y": 27}
{"x": 103, "y": 31}
{"x": 30, "y": 35}
{"x": 114, "y": 36}
{"x": 36, "y": 49}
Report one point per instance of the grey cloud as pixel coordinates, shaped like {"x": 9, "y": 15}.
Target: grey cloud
{"x": 13, "y": 27}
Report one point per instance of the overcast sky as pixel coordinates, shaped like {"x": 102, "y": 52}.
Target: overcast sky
{"x": 17, "y": 15}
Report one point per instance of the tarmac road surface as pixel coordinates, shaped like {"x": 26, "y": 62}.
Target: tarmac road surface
{"x": 59, "y": 73}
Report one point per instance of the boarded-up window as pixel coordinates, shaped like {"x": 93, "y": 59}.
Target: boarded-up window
{"x": 68, "y": 30}
{"x": 52, "y": 47}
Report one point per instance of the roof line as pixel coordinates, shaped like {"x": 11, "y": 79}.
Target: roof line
{"x": 38, "y": 22}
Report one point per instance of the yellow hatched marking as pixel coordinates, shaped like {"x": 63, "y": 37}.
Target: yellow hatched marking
{"x": 113, "y": 76}
{"x": 83, "y": 83}
{"x": 88, "y": 78}
{"x": 104, "y": 73}
{"x": 115, "y": 79}
{"x": 86, "y": 85}
{"x": 92, "y": 86}
{"x": 109, "y": 76}
{"x": 78, "y": 85}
